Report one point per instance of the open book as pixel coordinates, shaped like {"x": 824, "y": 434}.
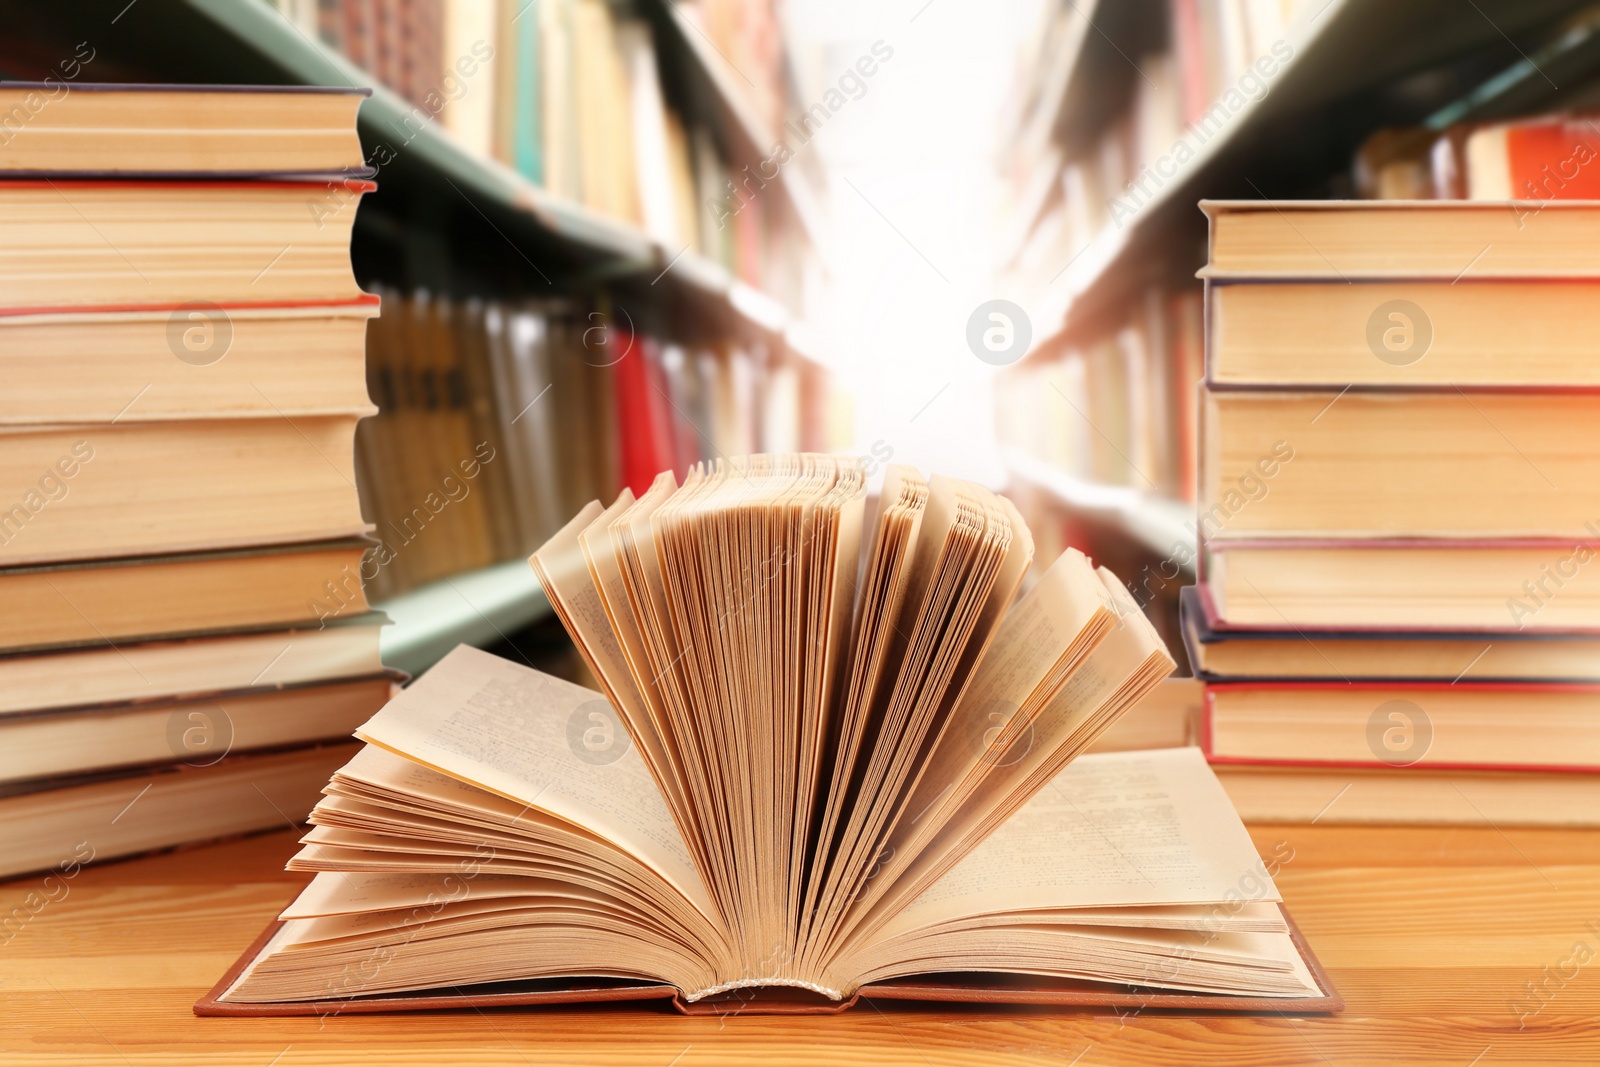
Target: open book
{"x": 829, "y": 762}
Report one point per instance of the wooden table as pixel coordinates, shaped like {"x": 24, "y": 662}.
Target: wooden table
{"x": 1430, "y": 934}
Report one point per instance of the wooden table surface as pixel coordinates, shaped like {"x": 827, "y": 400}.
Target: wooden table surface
{"x": 1432, "y": 935}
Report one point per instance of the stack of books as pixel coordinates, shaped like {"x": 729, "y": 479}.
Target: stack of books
{"x": 182, "y": 346}
{"x": 1398, "y": 613}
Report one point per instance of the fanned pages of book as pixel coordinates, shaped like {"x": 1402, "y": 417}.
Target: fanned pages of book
{"x": 834, "y": 758}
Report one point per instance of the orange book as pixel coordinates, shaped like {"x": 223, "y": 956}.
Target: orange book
{"x": 1546, "y": 159}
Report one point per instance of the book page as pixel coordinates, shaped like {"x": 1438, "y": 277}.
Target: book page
{"x": 879, "y": 592}
{"x": 1056, "y": 624}
{"x": 517, "y": 732}
{"x": 1116, "y": 828}
{"x": 346, "y": 892}
{"x": 1251, "y": 917}
{"x": 961, "y": 550}
{"x": 564, "y": 574}
{"x": 1125, "y": 662}
{"x": 379, "y": 775}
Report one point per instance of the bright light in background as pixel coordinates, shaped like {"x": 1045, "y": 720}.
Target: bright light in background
{"x": 916, "y": 219}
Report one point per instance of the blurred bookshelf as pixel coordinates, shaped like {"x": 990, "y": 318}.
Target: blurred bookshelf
{"x": 1353, "y": 66}
{"x": 1268, "y": 101}
{"x": 1155, "y": 522}
{"x": 755, "y": 134}
{"x": 668, "y": 318}
{"x": 480, "y": 608}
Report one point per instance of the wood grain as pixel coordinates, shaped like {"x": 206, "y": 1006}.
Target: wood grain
{"x": 1431, "y": 935}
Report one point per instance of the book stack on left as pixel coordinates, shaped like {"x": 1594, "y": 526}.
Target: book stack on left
{"x": 182, "y": 346}
{"x": 1399, "y": 605}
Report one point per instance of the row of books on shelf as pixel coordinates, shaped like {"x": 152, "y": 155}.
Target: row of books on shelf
{"x": 1216, "y": 56}
{"x": 1120, "y": 411}
{"x": 499, "y": 420}
{"x": 749, "y": 34}
{"x": 1397, "y": 615}
{"x": 1220, "y": 57}
{"x": 1114, "y": 404}
{"x": 402, "y": 43}
{"x": 1542, "y": 157}
{"x": 573, "y": 95}
{"x": 1214, "y": 47}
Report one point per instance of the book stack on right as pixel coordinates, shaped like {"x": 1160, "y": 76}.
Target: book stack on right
{"x": 1398, "y": 611}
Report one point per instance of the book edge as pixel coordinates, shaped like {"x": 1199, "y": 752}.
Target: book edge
{"x": 183, "y": 87}
{"x": 1329, "y": 1003}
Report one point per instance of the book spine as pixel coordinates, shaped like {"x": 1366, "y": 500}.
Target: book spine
{"x": 1208, "y": 728}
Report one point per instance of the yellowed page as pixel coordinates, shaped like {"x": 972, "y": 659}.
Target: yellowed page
{"x": 564, "y": 574}
{"x": 339, "y": 892}
{"x": 1117, "y": 828}
{"x": 960, "y": 582}
{"x": 517, "y": 732}
{"x": 1045, "y": 628}
{"x": 375, "y": 770}
{"x": 1242, "y": 916}
{"x": 880, "y": 590}
{"x": 1233, "y": 962}
{"x": 637, "y": 692}
{"x": 1123, "y": 665}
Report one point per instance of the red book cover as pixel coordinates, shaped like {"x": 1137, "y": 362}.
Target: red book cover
{"x": 672, "y": 434}
{"x": 645, "y": 428}
{"x": 1548, "y": 159}
{"x": 1217, "y": 624}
